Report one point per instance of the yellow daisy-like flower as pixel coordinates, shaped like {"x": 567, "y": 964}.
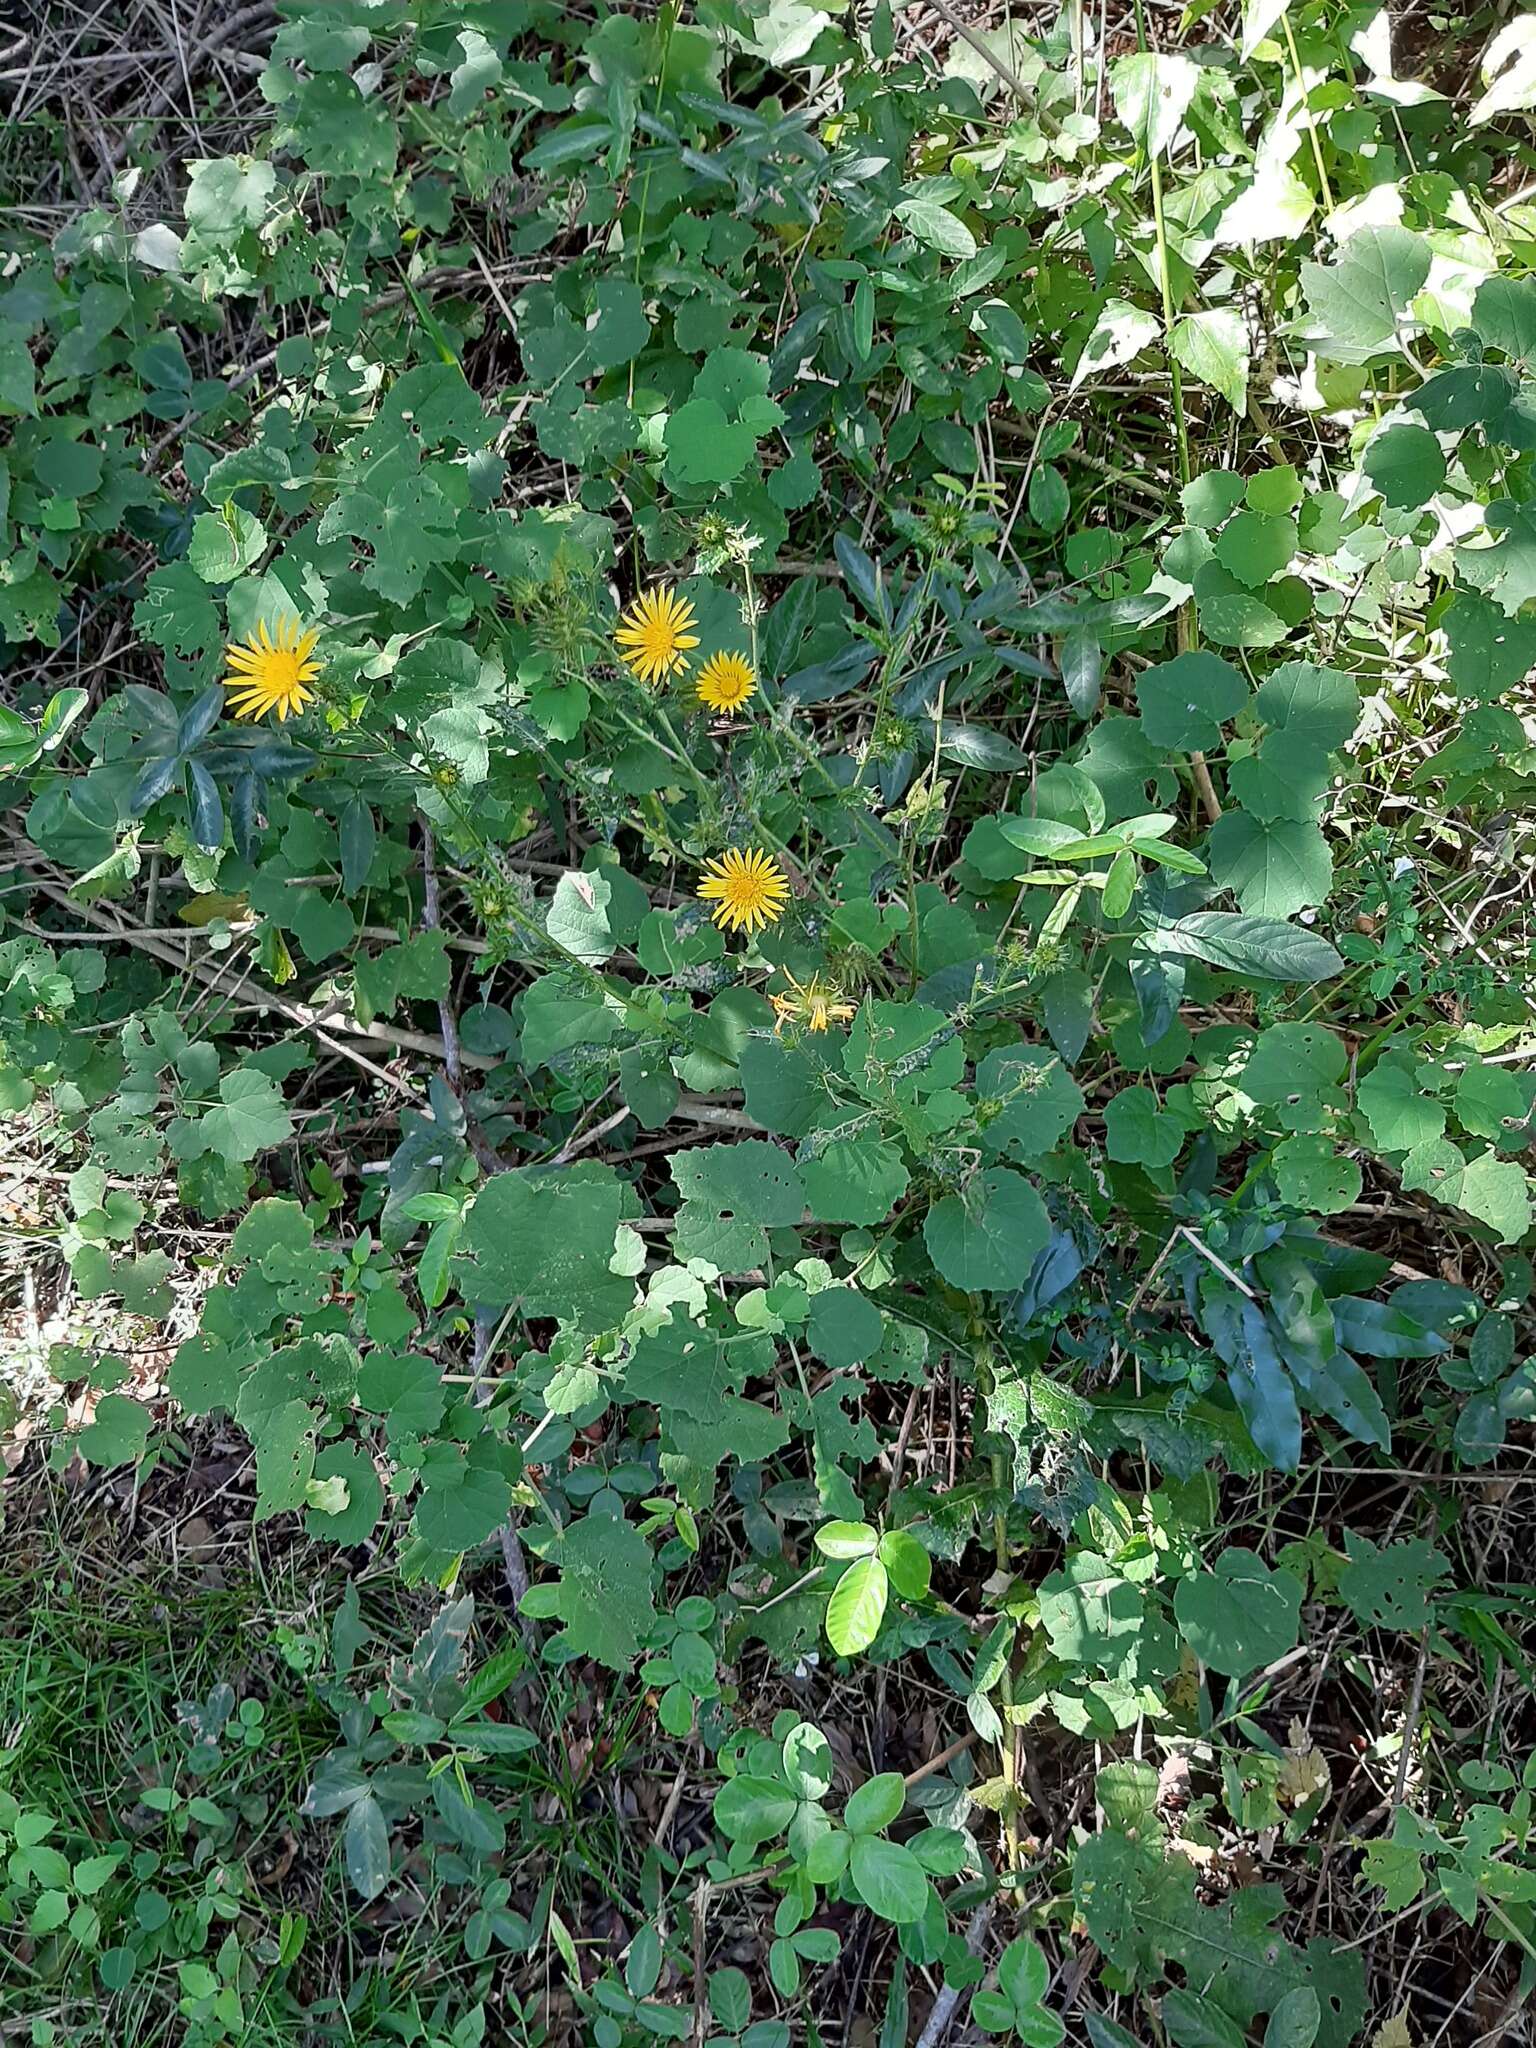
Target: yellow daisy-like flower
{"x": 815, "y": 1004}
{"x": 270, "y": 673}
{"x": 747, "y": 889}
{"x": 725, "y": 682}
{"x": 655, "y": 634}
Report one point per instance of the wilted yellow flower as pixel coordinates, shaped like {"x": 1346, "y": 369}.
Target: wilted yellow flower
{"x": 747, "y": 889}
{"x": 815, "y": 1004}
{"x": 655, "y": 634}
{"x": 725, "y": 682}
{"x": 270, "y": 673}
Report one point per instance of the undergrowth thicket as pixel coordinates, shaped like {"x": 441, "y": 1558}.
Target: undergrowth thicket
{"x": 819, "y": 1050}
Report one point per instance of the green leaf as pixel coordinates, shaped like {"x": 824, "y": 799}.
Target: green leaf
{"x": 1120, "y": 334}
{"x": 1494, "y": 1191}
{"x": 1504, "y": 316}
{"x": 888, "y": 1878}
{"x": 1137, "y": 1131}
{"x": 547, "y": 1239}
{"x": 936, "y": 228}
{"x": 1050, "y": 500}
{"x": 857, "y": 1606}
{"x": 1506, "y": 571}
{"x": 1213, "y": 346}
{"x": 1185, "y": 702}
{"x": 1313, "y": 706}
{"x": 1405, "y": 464}
{"x": 1361, "y": 300}
{"x": 1293, "y": 1060}
{"x": 988, "y": 1237}
{"x": 1274, "y": 867}
{"x": 1255, "y": 546}
{"x": 117, "y": 1432}
{"x": 846, "y": 1539}
{"x": 1239, "y": 1616}
{"x": 604, "y": 1591}
{"x": 844, "y": 1327}
{"x": 1390, "y": 1585}
{"x": 226, "y": 544}
{"x": 732, "y": 1195}
{"x": 875, "y": 1804}
{"x": 1207, "y": 500}
{"x": 1398, "y": 1112}
{"x": 476, "y": 75}
{"x": 366, "y": 1838}
{"x": 1152, "y": 93}
{"x": 854, "y": 1181}
{"x": 704, "y": 447}
{"x": 578, "y": 917}
{"x": 1248, "y": 946}
{"x": 465, "y": 1498}
{"x": 1091, "y": 1612}
{"x": 1037, "y": 1101}
{"x": 227, "y": 195}
{"x": 752, "y": 1810}
{"x": 908, "y": 1563}
{"x": 1311, "y": 1175}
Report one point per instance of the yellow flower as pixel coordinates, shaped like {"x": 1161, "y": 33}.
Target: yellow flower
{"x": 654, "y": 635}
{"x": 725, "y": 682}
{"x": 270, "y": 673}
{"x": 747, "y": 889}
{"x": 815, "y": 1004}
